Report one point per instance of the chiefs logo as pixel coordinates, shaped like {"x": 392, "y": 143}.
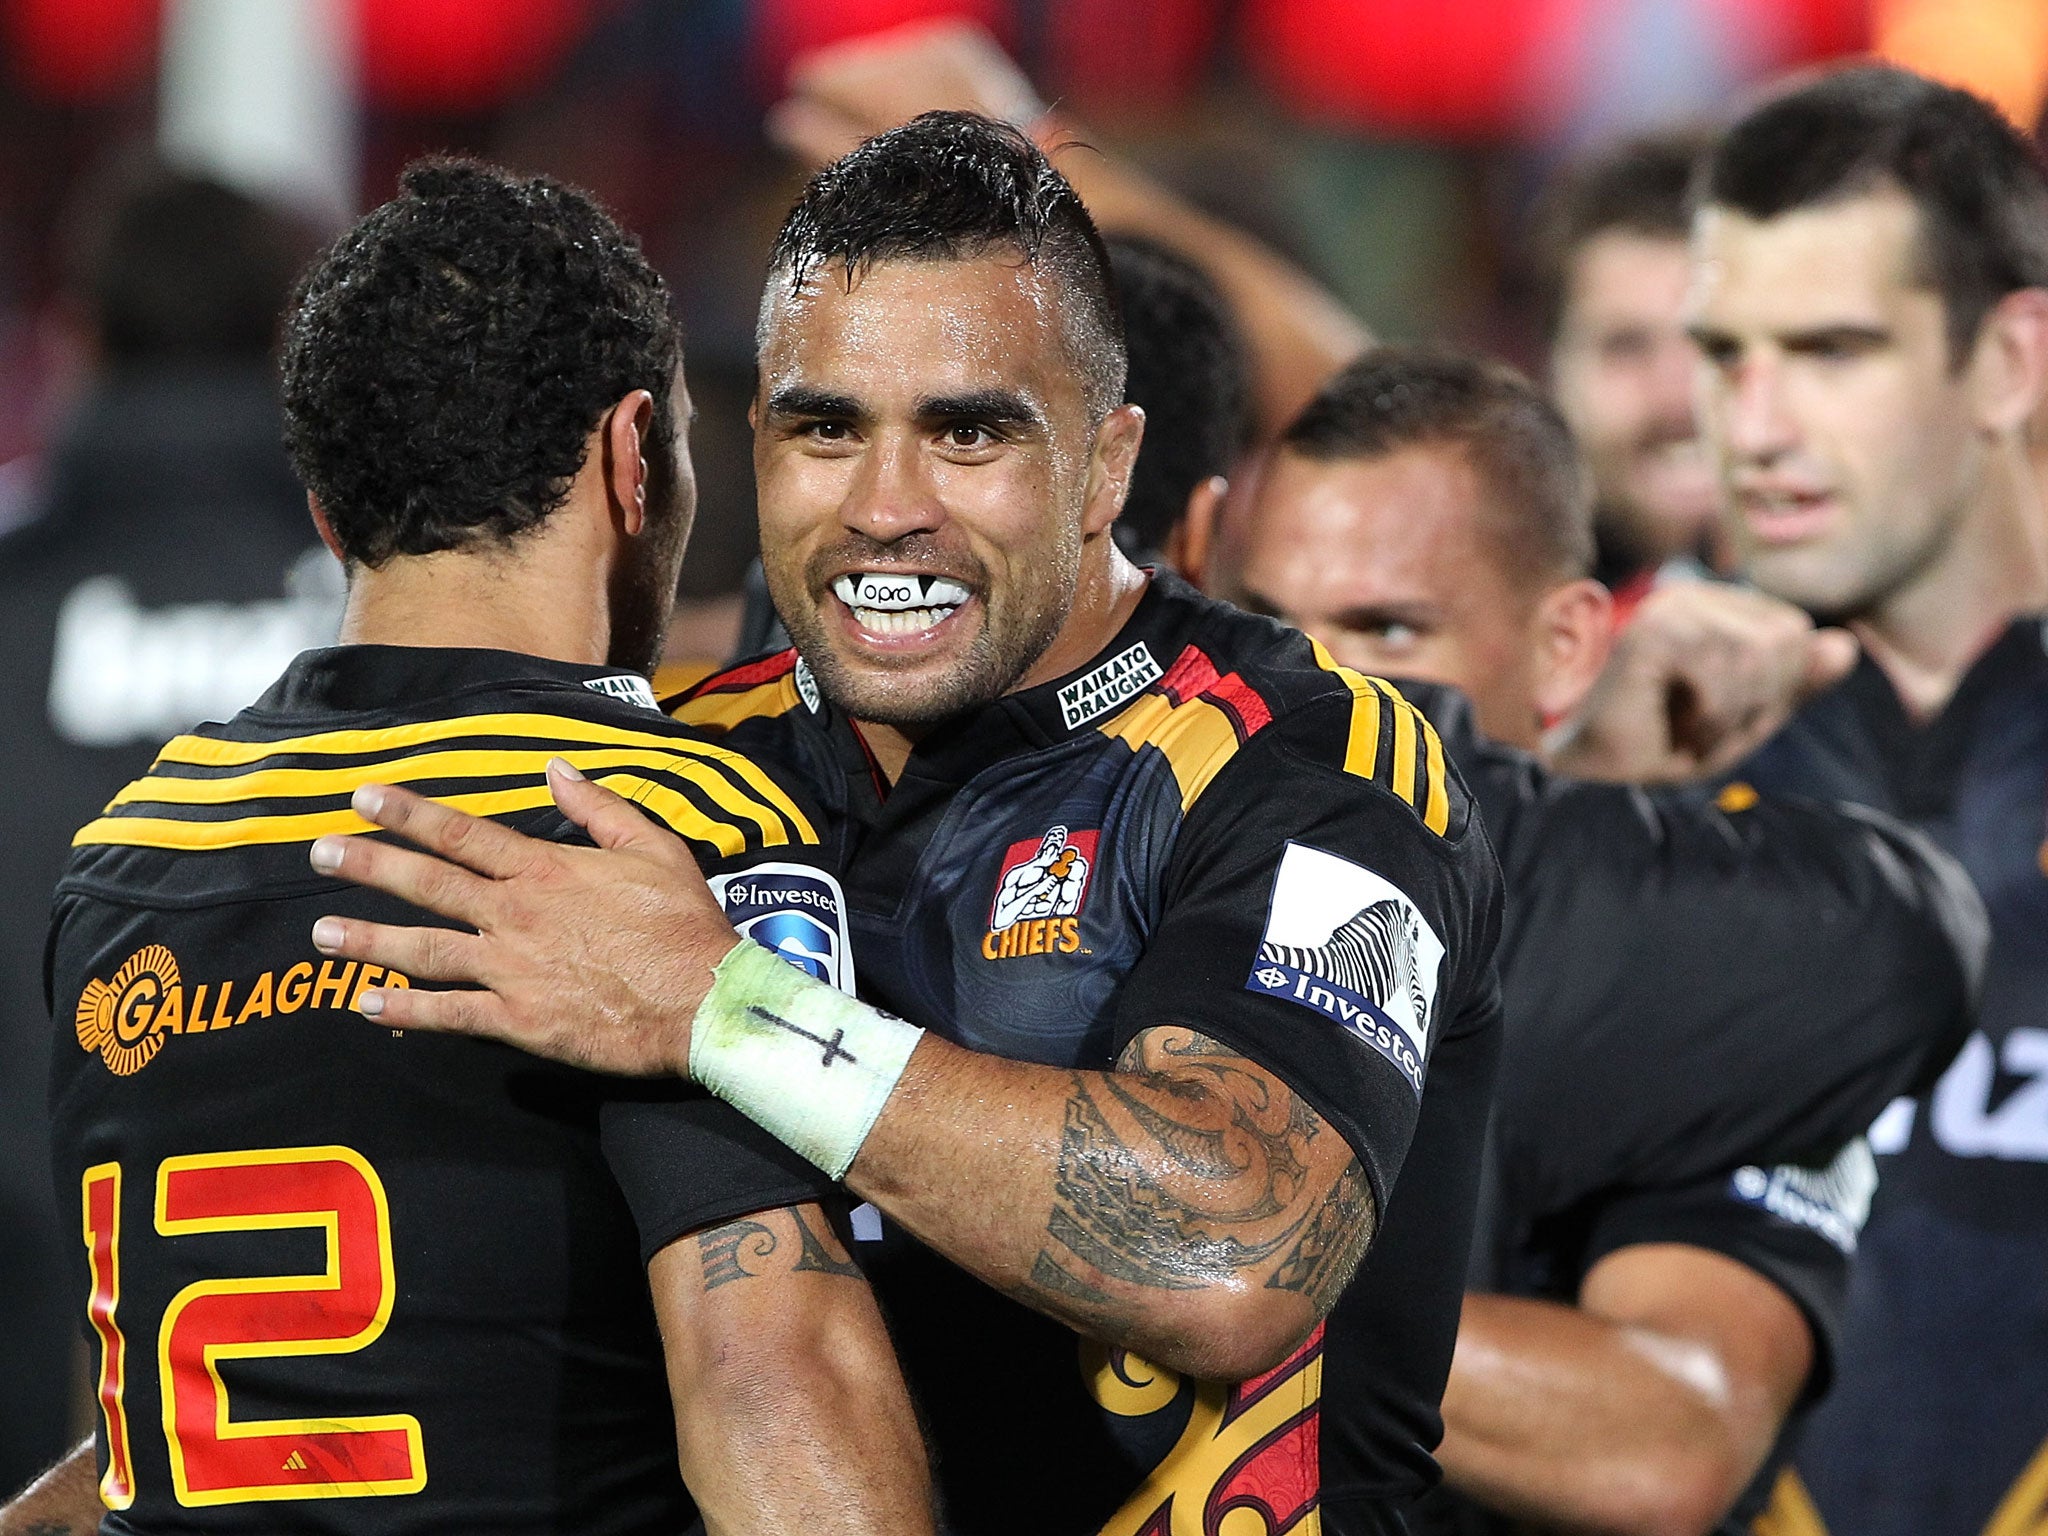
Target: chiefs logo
{"x": 121, "y": 1018}
{"x": 1039, "y": 894}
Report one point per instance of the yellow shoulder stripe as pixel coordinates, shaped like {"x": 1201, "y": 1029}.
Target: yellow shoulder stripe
{"x": 673, "y": 808}
{"x": 1392, "y": 743}
{"x": 723, "y": 711}
{"x": 308, "y": 783}
{"x": 1195, "y": 736}
{"x": 550, "y": 730}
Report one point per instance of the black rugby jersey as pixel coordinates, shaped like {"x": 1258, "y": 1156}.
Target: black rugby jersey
{"x": 1208, "y": 825}
{"x": 343, "y": 1278}
{"x": 1938, "y": 1424}
{"x": 1708, "y": 999}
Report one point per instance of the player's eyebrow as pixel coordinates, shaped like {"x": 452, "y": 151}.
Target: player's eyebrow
{"x": 804, "y": 400}
{"x": 990, "y": 407}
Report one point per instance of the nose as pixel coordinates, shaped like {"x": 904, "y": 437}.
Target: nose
{"x": 893, "y": 493}
{"x": 1757, "y": 426}
{"x": 1671, "y": 382}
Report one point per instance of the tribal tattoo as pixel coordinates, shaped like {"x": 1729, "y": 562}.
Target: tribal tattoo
{"x": 1189, "y": 1165}
{"x": 727, "y": 1252}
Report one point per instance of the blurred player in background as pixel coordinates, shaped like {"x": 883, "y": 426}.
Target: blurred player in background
{"x": 1706, "y": 1003}
{"x": 1198, "y": 922}
{"x": 1872, "y": 301}
{"x": 483, "y": 394}
{"x": 1608, "y": 247}
{"x": 166, "y": 575}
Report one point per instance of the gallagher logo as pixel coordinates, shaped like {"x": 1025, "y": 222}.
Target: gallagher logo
{"x": 798, "y": 911}
{"x": 127, "y": 1017}
{"x": 1039, "y": 893}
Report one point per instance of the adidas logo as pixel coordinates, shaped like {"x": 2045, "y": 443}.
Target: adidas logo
{"x": 295, "y": 1462}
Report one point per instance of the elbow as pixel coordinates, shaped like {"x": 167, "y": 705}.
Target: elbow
{"x": 1682, "y": 1493}
{"x": 1234, "y": 1331}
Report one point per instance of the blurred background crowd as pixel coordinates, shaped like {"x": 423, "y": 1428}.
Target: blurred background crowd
{"x": 171, "y": 163}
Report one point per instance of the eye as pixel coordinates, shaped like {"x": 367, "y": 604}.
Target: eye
{"x": 828, "y": 431}
{"x": 967, "y": 436}
{"x": 1393, "y": 635}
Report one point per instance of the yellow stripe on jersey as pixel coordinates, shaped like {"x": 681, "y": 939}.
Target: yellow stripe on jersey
{"x": 723, "y": 711}
{"x": 679, "y": 813}
{"x": 1411, "y": 763}
{"x": 1195, "y": 736}
{"x": 306, "y": 783}
{"x": 389, "y": 741}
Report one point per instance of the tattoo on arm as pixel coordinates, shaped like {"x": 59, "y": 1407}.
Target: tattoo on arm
{"x": 1190, "y": 1164}
{"x": 727, "y": 1252}
{"x": 720, "y": 1250}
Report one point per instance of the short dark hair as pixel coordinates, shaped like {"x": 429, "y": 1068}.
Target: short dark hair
{"x": 955, "y": 186}
{"x": 1978, "y": 184}
{"x": 1188, "y": 372}
{"x": 1405, "y": 397}
{"x": 173, "y": 267}
{"x": 1639, "y": 186}
{"x": 449, "y": 356}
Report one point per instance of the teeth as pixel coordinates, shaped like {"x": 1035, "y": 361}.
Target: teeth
{"x": 908, "y": 621}
{"x": 896, "y": 592}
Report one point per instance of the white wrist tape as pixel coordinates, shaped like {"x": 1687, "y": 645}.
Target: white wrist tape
{"x": 801, "y": 1059}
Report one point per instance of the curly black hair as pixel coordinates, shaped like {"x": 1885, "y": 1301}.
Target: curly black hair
{"x": 448, "y": 357}
{"x": 954, "y": 186}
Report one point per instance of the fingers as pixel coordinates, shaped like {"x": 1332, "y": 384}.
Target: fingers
{"x": 611, "y": 820}
{"x": 813, "y": 135}
{"x": 1830, "y": 656}
{"x": 425, "y": 954}
{"x": 470, "y": 841}
{"x": 419, "y": 878}
{"x": 482, "y": 1015}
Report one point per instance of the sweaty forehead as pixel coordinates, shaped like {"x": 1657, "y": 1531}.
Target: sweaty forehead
{"x": 1401, "y": 527}
{"x": 908, "y": 329}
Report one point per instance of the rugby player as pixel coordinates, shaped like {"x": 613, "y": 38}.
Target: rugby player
{"x": 1200, "y": 924}
{"x": 1607, "y": 249}
{"x": 1871, "y": 296}
{"x": 362, "y": 1281}
{"x": 1705, "y": 1003}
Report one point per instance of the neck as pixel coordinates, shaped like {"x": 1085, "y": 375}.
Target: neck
{"x": 1104, "y": 598}
{"x": 1926, "y": 636}
{"x": 518, "y": 599}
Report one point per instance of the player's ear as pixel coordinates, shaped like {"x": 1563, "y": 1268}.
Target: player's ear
{"x": 1573, "y": 632}
{"x": 624, "y": 440}
{"x": 1189, "y": 541}
{"x": 325, "y": 528}
{"x": 1109, "y": 468}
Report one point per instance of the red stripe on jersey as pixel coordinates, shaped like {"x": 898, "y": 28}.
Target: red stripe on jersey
{"x": 1237, "y": 696}
{"x": 1191, "y": 674}
{"x": 752, "y": 675}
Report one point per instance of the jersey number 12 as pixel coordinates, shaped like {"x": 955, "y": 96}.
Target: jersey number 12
{"x": 344, "y": 1307}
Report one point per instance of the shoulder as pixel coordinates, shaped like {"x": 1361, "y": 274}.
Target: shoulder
{"x": 768, "y": 688}
{"x": 1291, "y": 708}
{"x": 270, "y": 782}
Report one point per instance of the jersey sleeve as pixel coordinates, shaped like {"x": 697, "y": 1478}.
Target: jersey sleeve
{"x": 683, "y": 1159}
{"x": 1330, "y": 913}
{"x": 1796, "y": 1226}
{"x": 1698, "y": 985}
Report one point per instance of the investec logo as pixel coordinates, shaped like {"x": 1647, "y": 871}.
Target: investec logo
{"x": 1121, "y": 678}
{"x": 127, "y": 1017}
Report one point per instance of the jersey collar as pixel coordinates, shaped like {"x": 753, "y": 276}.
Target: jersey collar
{"x": 357, "y": 678}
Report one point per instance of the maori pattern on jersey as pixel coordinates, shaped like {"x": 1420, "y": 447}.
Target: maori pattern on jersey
{"x": 1372, "y": 954}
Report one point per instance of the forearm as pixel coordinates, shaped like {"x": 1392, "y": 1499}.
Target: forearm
{"x": 1297, "y": 331}
{"x": 1560, "y": 1417}
{"x": 64, "y": 1501}
{"x": 791, "y": 1414}
{"x": 1196, "y": 1215}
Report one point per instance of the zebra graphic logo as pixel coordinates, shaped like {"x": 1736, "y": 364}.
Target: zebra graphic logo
{"x": 1349, "y": 944}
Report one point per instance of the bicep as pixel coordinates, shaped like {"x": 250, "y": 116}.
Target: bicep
{"x": 1757, "y": 1345}
{"x": 1250, "y": 1162}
